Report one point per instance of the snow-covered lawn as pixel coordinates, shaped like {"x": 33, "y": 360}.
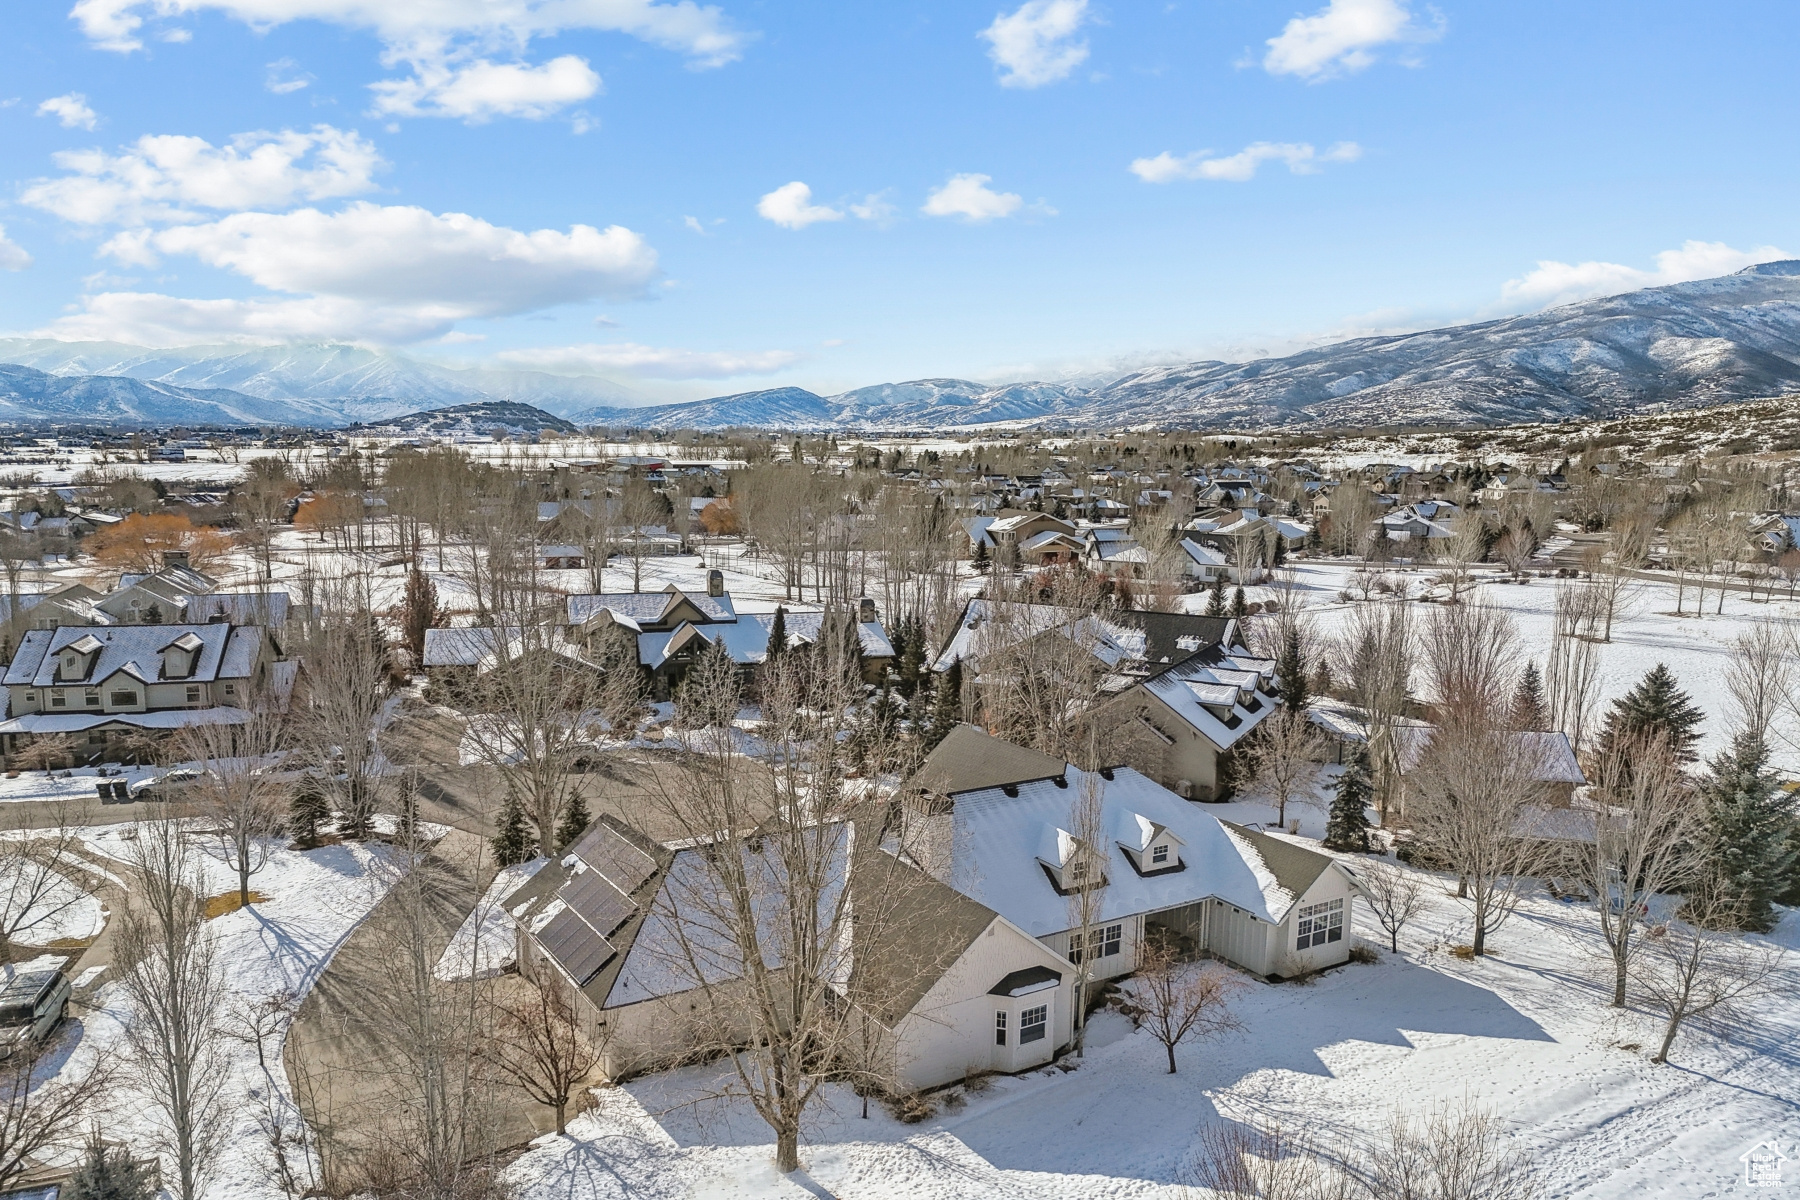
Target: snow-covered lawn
{"x": 74, "y": 786}
{"x": 1521, "y": 1032}
{"x": 1696, "y": 649}
{"x": 313, "y": 900}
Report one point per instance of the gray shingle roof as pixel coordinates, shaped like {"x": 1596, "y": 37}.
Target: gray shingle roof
{"x": 969, "y": 760}
{"x": 226, "y": 652}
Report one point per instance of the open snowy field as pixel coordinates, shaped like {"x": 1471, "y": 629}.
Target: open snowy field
{"x": 1521, "y": 1032}
{"x": 1647, "y": 632}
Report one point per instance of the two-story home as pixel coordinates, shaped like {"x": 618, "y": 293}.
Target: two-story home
{"x": 96, "y": 683}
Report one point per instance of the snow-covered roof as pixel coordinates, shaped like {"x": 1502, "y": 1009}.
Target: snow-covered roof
{"x": 480, "y": 645}
{"x": 1548, "y": 749}
{"x": 1206, "y": 556}
{"x": 76, "y": 722}
{"x": 1222, "y": 700}
{"x": 224, "y": 652}
{"x": 1000, "y": 841}
{"x": 647, "y": 608}
{"x": 240, "y": 608}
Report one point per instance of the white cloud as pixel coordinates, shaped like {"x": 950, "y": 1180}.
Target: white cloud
{"x": 480, "y": 90}
{"x": 694, "y": 224}
{"x": 1553, "y": 282}
{"x": 12, "y": 255}
{"x": 1036, "y": 45}
{"x": 790, "y": 206}
{"x": 1342, "y": 37}
{"x": 72, "y": 110}
{"x": 874, "y": 207}
{"x": 285, "y": 77}
{"x": 395, "y": 274}
{"x": 169, "y": 177}
{"x": 450, "y": 44}
{"x": 650, "y": 362}
{"x": 969, "y": 197}
{"x": 1241, "y": 167}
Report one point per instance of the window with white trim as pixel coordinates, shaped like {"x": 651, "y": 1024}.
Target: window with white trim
{"x": 193, "y": 693}
{"x": 1103, "y": 941}
{"x": 1000, "y": 1027}
{"x": 91, "y": 698}
{"x": 1320, "y": 923}
{"x": 124, "y": 699}
{"x": 57, "y": 699}
{"x": 1032, "y": 1023}
{"x": 1159, "y": 853}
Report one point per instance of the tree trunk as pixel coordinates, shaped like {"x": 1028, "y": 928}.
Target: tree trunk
{"x": 1662, "y": 1055}
{"x": 1618, "y": 998}
{"x": 787, "y": 1150}
{"x": 562, "y": 1124}
{"x": 1170, "y": 1047}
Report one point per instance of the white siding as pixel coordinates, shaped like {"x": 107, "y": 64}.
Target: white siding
{"x": 1238, "y": 937}
{"x": 950, "y": 1032}
{"x": 1287, "y": 959}
{"x": 1112, "y": 966}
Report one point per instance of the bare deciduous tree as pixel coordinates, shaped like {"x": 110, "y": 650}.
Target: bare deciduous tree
{"x": 1692, "y": 969}
{"x": 346, "y": 685}
{"x": 1759, "y": 676}
{"x": 538, "y": 1044}
{"x": 1572, "y": 677}
{"x": 1375, "y": 660}
{"x": 1453, "y": 1152}
{"x": 238, "y": 791}
{"x": 1644, "y": 817}
{"x": 1395, "y": 896}
{"x": 168, "y": 966}
{"x": 1282, "y": 754}
{"x": 39, "y": 1114}
{"x": 35, "y": 887}
{"x": 1182, "y": 1001}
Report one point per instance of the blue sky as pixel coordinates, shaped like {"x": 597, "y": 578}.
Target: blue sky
{"x": 700, "y": 199}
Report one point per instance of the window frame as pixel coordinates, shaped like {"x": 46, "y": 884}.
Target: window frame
{"x": 999, "y": 1027}
{"x": 1034, "y": 1024}
{"x": 1319, "y": 924}
{"x": 1159, "y": 853}
{"x": 121, "y": 698}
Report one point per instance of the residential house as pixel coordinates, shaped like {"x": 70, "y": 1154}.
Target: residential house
{"x": 268, "y": 609}
{"x": 952, "y": 988}
{"x": 96, "y": 684}
{"x": 159, "y": 596}
{"x": 1150, "y": 864}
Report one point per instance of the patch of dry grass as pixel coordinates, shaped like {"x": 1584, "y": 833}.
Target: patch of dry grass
{"x": 218, "y": 906}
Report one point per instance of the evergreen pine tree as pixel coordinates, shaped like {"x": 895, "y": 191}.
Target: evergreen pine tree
{"x": 1749, "y": 828}
{"x": 1239, "y": 608}
{"x": 108, "y": 1173}
{"x": 513, "y": 843}
{"x": 1215, "y": 600}
{"x": 777, "y": 635}
{"x": 946, "y": 706}
{"x": 1655, "y": 707}
{"x": 418, "y": 611}
{"x": 912, "y": 658}
{"x": 1348, "y": 826}
{"x": 1322, "y": 682}
{"x": 1528, "y": 708}
{"x": 980, "y": 560}
{"x": 309, "y": 809}
{"x": 575, "y": 820}
{"x": 1290, "y": 671}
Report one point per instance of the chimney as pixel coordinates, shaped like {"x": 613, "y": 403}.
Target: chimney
{"x": 715, "y": 582}
{"x": 866, "y": 611}
{"x": 174, "y": 558}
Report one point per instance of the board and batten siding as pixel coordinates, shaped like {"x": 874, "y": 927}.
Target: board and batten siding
{"x": 1131, "y": 937}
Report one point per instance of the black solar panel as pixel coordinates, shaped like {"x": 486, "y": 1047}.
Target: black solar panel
{"x": 575, "y": 946}
{"x": 598, "y": 902}
{"x": 604, "y": 849}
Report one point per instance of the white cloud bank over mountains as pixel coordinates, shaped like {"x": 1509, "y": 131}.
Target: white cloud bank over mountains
{"x": 1552, "y": 283}
{"x": 648, "y": 362}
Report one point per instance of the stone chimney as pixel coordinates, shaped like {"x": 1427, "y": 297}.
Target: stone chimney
{"x": 174, "y": 558}
{"x": 715, "y": 582}
{"x": 866, "y": 611}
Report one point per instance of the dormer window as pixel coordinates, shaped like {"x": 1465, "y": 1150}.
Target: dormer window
{"x": 181, "y": 656}
{"x": 1159, "y": 854}
{"x": 76, "y": 661}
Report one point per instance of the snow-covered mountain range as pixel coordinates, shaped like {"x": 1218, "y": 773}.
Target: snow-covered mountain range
{"x": 1682, "y": 345}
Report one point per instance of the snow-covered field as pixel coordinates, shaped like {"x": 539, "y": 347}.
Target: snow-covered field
{"x": 1521, "y": 1032}
{"x": 1696, "y": 649}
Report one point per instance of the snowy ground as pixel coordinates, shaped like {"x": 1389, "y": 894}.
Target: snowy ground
{"x": 1696, "y": 649}
{"x": 75, "y": 786}
{"x": 1522, "y": 1032}
{"x": 279, "y": 946}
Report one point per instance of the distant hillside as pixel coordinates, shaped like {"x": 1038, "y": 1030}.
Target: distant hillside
{"x": 481, "y": 417}
{"x": 322, "y": 383}
{"x": 32, "y": 396}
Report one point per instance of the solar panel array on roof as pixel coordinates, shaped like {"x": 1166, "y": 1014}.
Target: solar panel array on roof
{"x": 598, "y": 902}
{"x": 572, "y": 942}
{"x": 607, "y": 851}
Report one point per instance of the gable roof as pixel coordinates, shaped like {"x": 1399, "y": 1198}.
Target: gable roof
{"x": 969, "y": 759}
{"x": 922, "y": 928}
{"x": 225, "y": 652}
{"x": 1294, "y": 868}
{"x": 996, "y": 841}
